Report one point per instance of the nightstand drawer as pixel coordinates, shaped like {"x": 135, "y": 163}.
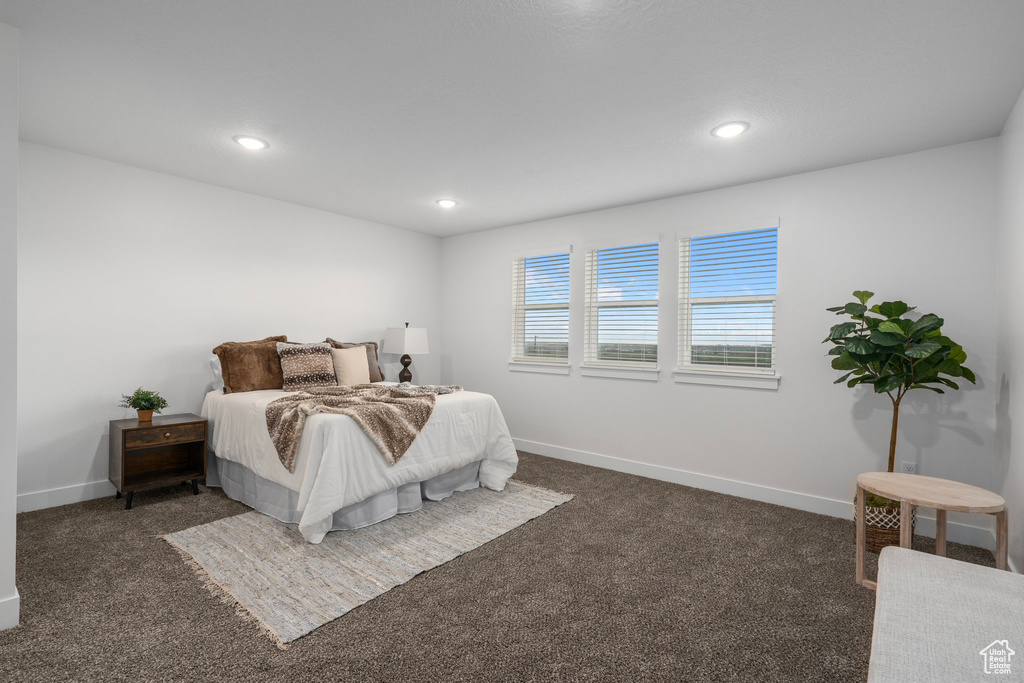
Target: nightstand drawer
{"x": 145, "y": 438}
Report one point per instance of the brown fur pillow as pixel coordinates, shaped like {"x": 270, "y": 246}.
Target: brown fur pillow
{"x": 250, "y": 366}
{"x": 376, "y": 374}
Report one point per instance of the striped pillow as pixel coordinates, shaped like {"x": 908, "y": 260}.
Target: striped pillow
{"x": 306, "y": 366}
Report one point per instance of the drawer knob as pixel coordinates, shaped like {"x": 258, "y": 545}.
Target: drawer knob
{"x": 167, "y": 435}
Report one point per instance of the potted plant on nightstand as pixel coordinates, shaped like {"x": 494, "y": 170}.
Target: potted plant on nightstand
{"x": 894, "y": 355}
{"x": 145, "y": 402}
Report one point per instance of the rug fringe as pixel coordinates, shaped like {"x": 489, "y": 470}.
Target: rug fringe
{"x": 221, "y": 593}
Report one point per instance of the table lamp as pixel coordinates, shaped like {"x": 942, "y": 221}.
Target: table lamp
{"x": 405, "y": 340}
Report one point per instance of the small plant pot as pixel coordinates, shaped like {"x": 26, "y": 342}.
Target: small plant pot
{"x": 882, "y": 527}
{"x": 145, "y": 415}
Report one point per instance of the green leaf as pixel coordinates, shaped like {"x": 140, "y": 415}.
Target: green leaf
{"x": 834, "y": 351}
{"x": 949, "y": 383}
{"x": 893, "y": 309}
{"x": 950, "y": 367}
{"x": 886, "y": 338}
{"x": 844, "y": 362}
{"x": 142, "y": 399}
{"x": 888, "y": 383}
{"x": 922, "y": 350}
{"x": 891, "y": 327}
{"x": 926, "y": 366}
{"x": 843, "y": 378}
{"x": 856, "y": 310}
{"x": 968, "y": 375}
{"x": 835, "y": 309}
{"x": 863, "y": 296}
{"x": 923, "y": 386}
{"x": 857, "y": 380}
{"x": 840, "y": 331}
{"x": 926, "y": 323}
{"x": 860, "y": 346}
{"x": 875, "y": 309}
{"x": 905, "y": 325}
{"x": 958, "y": 354}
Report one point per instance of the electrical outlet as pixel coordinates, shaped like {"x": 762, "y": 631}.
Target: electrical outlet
{"x": 909, "y": 467}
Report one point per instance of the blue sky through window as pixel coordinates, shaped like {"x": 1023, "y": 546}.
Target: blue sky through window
{"x": 627, "y": 274}
{"x": 738, "y": 264}
{"x": 547, "y": 279}
{"x": 723, "y": 270}
{"x": 546, "y": 330}
{"x": 734, "y": 264}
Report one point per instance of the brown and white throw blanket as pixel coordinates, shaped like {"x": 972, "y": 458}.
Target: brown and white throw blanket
{"x": 392, "y": 416}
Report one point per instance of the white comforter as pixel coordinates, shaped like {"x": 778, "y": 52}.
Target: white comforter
{"x": 338, "y": 465}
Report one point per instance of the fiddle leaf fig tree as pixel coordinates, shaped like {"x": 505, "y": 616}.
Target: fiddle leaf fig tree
{"x": 894, "y": 354}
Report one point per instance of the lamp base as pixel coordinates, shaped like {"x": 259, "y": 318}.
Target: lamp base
{"x": 405, "y": 375}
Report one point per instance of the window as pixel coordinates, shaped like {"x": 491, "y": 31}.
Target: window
{"x": 727, "y": 292}
{"x": 621, "y": 316}
{"x": 540, "y": 308}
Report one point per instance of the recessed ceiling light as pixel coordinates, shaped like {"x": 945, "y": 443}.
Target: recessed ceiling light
{"x": 251, "y": 143}
{"x": 447, "y": 203}
{"x": 730, "y": 130}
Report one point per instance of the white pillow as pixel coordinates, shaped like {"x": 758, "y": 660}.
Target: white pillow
{"x": 218, "y": 377}
{"x": 351, "y": 366}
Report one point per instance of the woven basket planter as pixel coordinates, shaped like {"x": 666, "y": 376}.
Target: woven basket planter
{"x": 883, "y": 527}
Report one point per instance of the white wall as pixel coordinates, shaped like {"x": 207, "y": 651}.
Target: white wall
{"x": 919, "y": 227}
{"x": 129, "y": 277}
{"x": 9, "y": 601}
{"x": 1010, "y": 412}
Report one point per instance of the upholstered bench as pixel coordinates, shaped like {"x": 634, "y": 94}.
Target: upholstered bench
{"x": 938, "y": 619}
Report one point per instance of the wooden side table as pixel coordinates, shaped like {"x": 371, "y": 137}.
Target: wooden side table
{"x": 914, "y": 490}
{"x": 168, "y": 450}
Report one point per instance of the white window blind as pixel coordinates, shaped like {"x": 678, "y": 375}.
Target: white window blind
{"x": 540, "y": 308}
{"x": 727, "y": 293}
{"x": 621, "y": 306}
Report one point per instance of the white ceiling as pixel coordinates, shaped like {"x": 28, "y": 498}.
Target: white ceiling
{"x": 520, "y": 110}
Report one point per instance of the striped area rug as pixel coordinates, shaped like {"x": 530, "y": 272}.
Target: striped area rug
{"x": 290, "y": 587}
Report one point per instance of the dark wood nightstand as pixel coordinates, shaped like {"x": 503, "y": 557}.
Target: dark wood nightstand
{"x": 168, "y": 450}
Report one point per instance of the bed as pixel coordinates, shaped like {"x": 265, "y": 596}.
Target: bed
{"x": 340, "y": 479}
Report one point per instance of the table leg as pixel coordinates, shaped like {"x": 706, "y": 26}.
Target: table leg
{"x": 940, "y": 532}
{"x": 1002, "y": 540}
{"x": 906, "y": 523}
{"x": 195, "y": 487}
{"x": 128, "y": 500}
{"x": 861, "y": 533}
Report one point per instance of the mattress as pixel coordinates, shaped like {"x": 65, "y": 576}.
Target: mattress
{"x": 337, "y": 465}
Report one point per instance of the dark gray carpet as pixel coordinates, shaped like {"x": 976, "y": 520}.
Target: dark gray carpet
{"x": 633, "y": 580}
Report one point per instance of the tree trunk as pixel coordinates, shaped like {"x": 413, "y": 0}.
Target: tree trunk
{"x": 892, "y": 436}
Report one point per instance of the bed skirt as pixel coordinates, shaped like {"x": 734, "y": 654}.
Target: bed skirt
{"x": 242, "y": 484}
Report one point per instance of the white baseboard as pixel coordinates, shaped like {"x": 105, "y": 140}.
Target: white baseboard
{"x": 37, "y": 500}
{"x": 981, "y": 536}
{"x": 10, "y": 611}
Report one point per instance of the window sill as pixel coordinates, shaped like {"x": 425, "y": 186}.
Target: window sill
{"x": 642, "y": 374}
{"x": 728, "y": 379}
{"x": 539, "y": 367}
